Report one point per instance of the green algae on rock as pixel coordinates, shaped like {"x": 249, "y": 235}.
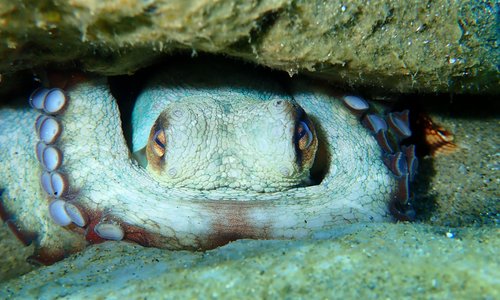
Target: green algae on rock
{"x": 396, "y": 46}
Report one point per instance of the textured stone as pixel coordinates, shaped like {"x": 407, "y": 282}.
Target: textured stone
{"x": 461, "y": 188}
{"x": 383, "y": 261}
{"x": 396, "y": 46}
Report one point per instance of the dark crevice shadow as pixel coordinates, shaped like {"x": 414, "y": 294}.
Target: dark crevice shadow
{"x": 423, "y": 201}
{"x": 126, "y": 89}
{"x": 322, "y": 161}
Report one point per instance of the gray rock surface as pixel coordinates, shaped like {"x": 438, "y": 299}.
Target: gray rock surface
{"x": 384, "y": 261}
{"x": 461, "y": 188}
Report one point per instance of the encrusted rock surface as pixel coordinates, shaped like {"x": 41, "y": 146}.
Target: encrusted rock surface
{"x": 461, "y": 188}
{"x": 397, "y": 46}
{"x": 383, "y": 261}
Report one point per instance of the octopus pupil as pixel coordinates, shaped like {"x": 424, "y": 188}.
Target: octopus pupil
{"x": 159, "y": 143}
{"x": 157, "y": 139}
{"x": 302, "y": 130}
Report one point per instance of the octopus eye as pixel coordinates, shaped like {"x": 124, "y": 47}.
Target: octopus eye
{"x": 305, "y": 140}
{"x": 159, "y": 141}
{"x": 304, "y": 135}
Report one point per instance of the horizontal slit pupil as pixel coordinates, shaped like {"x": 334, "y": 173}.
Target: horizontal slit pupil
{"x": 159, "y": 142}
{"x": 157, "y": 139}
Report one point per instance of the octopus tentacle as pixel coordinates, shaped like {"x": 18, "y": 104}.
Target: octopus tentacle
{"x": 66, "y": 206}
{"x": 399, "y": 122}
{"x": 355, "y": 103}
{"x": 109, "y": 229}
{"x": 403, "y": 164}
{"x": 48, "y": 129}
{"x": 23, "y": 194}
{"x": 76, "y": 214}
{"x": 58, "y": 212}
{"x": 51, "y": 102}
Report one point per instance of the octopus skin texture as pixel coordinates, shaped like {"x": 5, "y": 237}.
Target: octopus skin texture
{"x": 215, "y": 155}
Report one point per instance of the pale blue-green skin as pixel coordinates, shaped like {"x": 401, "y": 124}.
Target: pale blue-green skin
{"x": 103, "y": 176}
{"x": 220, "y": 134}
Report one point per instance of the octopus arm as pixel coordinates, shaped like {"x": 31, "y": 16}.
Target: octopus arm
{"x": 23, "y": 203}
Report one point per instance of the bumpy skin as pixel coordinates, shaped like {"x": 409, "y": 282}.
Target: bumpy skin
{"x": 230, "y": 137}
{"x": 202, "y": 210}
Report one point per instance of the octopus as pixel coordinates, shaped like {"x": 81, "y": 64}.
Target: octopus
{"x": 215, "y": 153}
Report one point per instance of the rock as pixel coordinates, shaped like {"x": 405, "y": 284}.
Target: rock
{"x": 396, "y": 46}
{"x": 460, "y": 188}
{"x": 386, "y": 260}
{"x": 13, "y": 255}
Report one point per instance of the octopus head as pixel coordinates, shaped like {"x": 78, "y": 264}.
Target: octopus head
{"x": 208, "y": 143}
